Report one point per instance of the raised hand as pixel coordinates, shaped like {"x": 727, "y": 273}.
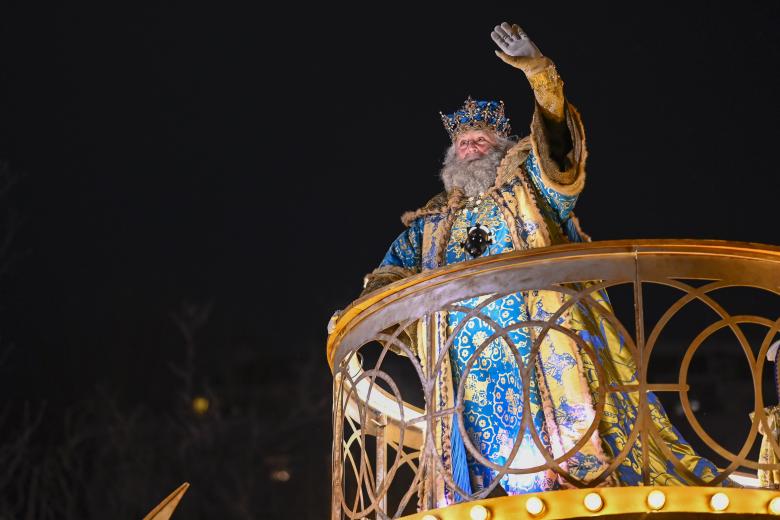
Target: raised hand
{"x": 513, "y": 41}
{"x": 519, "y": 51}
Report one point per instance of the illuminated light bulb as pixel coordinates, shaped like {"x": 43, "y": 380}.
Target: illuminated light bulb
{"x": 593, "y": 502}
{"x": 656, "y": 500}
{"x": 719, "y": 502}
{"x": 479, "y": 513}
{"x": 429, "y": 517}
{"x": 534, "y": 506}
{"x": 774, "y": 506}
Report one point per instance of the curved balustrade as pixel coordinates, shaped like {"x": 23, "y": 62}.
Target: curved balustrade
{"x": 386, "y": 460}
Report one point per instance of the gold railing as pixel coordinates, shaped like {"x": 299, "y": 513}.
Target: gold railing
{"x": 385, "y": 457}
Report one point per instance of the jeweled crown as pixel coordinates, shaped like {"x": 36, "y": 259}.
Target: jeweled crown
{"x": 477, "y": 115}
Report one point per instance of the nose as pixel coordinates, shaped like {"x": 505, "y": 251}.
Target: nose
{"x": 472, "y": 148}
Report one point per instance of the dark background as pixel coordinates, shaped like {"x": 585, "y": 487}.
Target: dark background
{"x": 240, "y": 171}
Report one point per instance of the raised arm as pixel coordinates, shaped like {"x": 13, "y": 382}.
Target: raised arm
{"x": 556, "y": 129}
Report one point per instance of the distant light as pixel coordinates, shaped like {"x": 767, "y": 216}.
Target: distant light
{"x": 656, "y": 500}
{"x": 774, "y": 506}
{"x": 534, "y": 506}
{"x": 479, "y": 513}
{"x": 200, "y": 405}
{"x": 719, "y": 502}
{"x": 280, "y": 475}
{"x": 593, "y": 502}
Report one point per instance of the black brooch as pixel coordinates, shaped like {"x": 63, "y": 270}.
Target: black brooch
{"x": 478, "y": 240}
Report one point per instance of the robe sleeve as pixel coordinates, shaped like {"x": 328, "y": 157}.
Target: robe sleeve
{"x": 556, "y": 164}
{"x": 402, "y": 259}
{"x": 560, "y": 203}
{"x": 557, "y": 133}
{"x": 560, "y": 168}
{"x": 405, "y": 250}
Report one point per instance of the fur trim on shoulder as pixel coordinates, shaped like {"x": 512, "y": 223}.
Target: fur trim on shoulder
{"x": 435, "y": 205}
{"x": 440, "y": 204}
{"x": 523, "y": 145}
{"x": 514, "y": 159}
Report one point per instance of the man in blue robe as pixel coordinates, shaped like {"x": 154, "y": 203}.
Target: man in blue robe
{"x": 502, "y": 195}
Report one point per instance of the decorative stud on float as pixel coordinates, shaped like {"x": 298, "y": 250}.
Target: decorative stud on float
{"x": 719, "y": 502}
{"x": 479, "y": 512}
{"x": 656, "y": 500}
{"x": 774, "y": 506}
{"x": 534, "y": 506}
{"x": 593, "y": 502}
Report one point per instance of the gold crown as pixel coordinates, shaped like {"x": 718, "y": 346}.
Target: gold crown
{"x": 476, "y": 115}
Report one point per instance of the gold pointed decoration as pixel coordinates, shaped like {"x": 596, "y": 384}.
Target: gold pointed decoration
{"x": 165, "y": 509}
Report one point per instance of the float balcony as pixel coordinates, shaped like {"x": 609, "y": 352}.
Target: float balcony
{"x": 387, "y": 461}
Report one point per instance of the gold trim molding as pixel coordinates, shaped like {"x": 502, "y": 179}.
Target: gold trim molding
{"x": 681, "y": 502}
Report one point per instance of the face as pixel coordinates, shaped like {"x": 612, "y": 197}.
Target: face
{"x": 474, "y": 144}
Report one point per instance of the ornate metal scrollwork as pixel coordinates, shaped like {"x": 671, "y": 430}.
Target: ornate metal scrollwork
{"x": 386, "y": 459}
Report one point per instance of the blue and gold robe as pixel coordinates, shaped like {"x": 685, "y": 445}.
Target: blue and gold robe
{"x": 530, "y": 206}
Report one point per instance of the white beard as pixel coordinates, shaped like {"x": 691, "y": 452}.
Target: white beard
{"x": 474, "y": 176}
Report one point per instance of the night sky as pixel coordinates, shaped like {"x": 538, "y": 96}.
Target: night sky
{"x": 259, "y": 160}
